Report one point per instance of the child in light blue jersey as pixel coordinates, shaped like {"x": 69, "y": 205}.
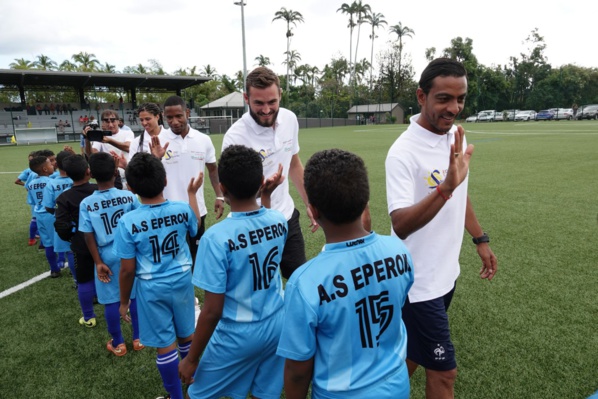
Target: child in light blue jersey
{"x": 21, "y": 181}
{"x": 53, "y": 189}
{"x": 238, "y": 268}
{"x": 98, "y": 218}
{"x": 42, "y": 167}
{"x": 343, "y": 330}
{"x": 151, "y": 243}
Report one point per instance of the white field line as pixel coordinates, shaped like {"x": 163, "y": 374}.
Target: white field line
{"x": 24, "y": 285}
{"x": 9, "y": 173}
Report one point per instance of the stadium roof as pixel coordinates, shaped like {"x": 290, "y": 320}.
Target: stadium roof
{"x": 376, "y": 108}
{"x": 26, "y": 78}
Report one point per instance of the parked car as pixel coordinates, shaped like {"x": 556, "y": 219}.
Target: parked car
{"x": 563, "y": 113}
{"x": 486, "y": 116}
{"x": 499, "y": 117}
{"x": 545, "y": 115}
{"x": 588, "y": 112}
{"x": 528, "y": 115}
{"x": 510, "y": 114}
{"x": 472, "y": 118}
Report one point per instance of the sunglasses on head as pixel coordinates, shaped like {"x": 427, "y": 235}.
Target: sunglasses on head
{"x": 109, "y": 120}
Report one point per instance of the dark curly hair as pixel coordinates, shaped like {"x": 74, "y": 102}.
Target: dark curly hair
{"x": 240, "y": 171}
{"x": 336, "y": 183}
{"x": 146, "y": 175}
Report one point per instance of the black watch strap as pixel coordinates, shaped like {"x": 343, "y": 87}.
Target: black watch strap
{"x": 482, "y": 239}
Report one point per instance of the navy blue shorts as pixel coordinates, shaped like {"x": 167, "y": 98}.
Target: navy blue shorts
{"x": 428, "y": 336}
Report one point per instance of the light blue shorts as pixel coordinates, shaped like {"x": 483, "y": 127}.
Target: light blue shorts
{"x": 166, "y": 308}
{"x": 241, "y": 358}
{"x": 109, "y": 292}
{"x": 45, "y": 226}
{"x": 60, "y": 245}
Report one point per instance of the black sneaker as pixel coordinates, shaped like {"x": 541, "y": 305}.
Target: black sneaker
{"x": 55, "y": 274}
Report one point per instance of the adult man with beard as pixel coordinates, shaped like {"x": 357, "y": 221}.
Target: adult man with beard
{"x": 185, "y": 152}
{"x": 427, "y": 171}
{"x": 274, "y": 133}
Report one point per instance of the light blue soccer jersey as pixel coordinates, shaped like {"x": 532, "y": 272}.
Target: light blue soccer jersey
{"x": 240, "y": 257}
{"x": 100, "y": 212}
{"x": 35, "y": 192}
{"x": 25, "y": 175}
{"x": 156, "y": 236}
{"x": 54, "y": 188}
{"x": 344, "y": 308}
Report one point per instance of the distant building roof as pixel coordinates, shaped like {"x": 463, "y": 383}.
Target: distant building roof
{"x": 232, "y": 100}
{"x": 376, "y": 108}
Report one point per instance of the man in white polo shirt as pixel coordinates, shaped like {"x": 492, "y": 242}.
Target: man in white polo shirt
{"x": 274, "y": 133}
{"x": 185, "y": 152}
{"x": 426, "y": 185}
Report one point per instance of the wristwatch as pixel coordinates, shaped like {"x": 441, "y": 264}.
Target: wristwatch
{"x": 479, "y": 240}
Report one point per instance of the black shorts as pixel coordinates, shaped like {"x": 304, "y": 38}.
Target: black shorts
{"x": 428, "y": 335}
{"x": 84, "y": 266}
{"x": 293, "y": 254}
{"x": 194, "y": 241}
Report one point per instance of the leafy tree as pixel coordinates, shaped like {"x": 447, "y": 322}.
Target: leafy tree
{"x": 67, "y": 66}
{"x": 290, "y": 17}
{"x": 156, "y": 68}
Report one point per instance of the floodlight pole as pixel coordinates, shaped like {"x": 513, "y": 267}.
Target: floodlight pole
{"x": 243, "y": 4}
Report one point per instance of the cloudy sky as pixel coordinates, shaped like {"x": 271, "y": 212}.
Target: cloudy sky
{"x": 186, "y": 33}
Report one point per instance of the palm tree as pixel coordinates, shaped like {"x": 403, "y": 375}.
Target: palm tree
{"x": 108, "y": 68}
{"x": 262, "y": 60}
{"x": 86, "y": 62}
{"x": 376, "y": 20}
{"x": 208, "y": 71}
{"x": 350, "y": 10}
{"x": 68, "y": 66}
{"x": 401, "y": 31}
{"x": 156, "y": 68}
{"x": 45, "y": 63}
{"x": 21, "y": 63}
{"x": 361, "y": 11}
{"x": 292, "y": 58}
{"x": 290, "y": 17}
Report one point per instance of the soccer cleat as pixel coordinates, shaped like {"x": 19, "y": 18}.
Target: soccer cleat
{"x": 120, "y": 350}
{"x": 137, "y": 345}
{"x": 32, "y": 242}
{"x": 41, "y": 246}
{"x": 55, "y": 274}
{"x": 163, "y": 397}
{"x": 89, "y": 323}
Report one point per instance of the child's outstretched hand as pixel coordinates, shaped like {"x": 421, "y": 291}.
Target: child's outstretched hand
{"x": 119, "y": 160}
{"x": 272, "y": 182}
{"x": 104, "y": 272}
{"x": 195, "y": 184}
{"x": 68, "y": 148}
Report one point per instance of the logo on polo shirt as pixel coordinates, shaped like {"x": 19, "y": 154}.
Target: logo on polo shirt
{"x": 434, "y": 178}
{"x": 265, "y": 154}
{"x": 168, "y": 155}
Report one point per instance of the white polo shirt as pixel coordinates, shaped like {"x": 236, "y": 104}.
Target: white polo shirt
{"x": 276, "y": 145}
{"x": 121, "y": 136}
{"x": 416, "y": 163}
{"x": 184, "y": 159}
